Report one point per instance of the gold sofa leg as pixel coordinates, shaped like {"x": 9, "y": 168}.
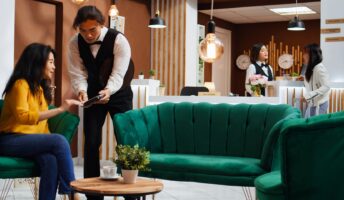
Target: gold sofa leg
{"x": 7, "y": 187}
{"x": 247, "y": 193}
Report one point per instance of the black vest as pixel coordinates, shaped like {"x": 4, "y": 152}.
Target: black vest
{"x": 100, "y": 67}
{"x": 260, "y": 71}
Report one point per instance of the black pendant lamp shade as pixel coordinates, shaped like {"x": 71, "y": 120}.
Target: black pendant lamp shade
{"x": 296, "y": 24}
{"x": 157, "y": 22}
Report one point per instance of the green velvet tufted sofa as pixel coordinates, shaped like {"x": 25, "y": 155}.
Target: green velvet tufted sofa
{"x": 210, "y": 143}
{"x": 311, "y": 153}
{"x": 13, "y": 167}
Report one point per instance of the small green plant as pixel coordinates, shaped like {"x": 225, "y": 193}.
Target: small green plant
{"x": 152, "y": 72}
{"x": 132, "y": 158}
{"x": 141, "y": 73}
{"x": 294, "y": 74}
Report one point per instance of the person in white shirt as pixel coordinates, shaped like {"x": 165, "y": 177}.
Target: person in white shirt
{"x": 259, "y": 57}
{"x": 316, "y": 81}
{"x": 99, "y": 64}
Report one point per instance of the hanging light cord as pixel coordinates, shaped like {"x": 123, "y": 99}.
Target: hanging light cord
{"x": 211, "y": 11}
{"x": 157, "y": 5}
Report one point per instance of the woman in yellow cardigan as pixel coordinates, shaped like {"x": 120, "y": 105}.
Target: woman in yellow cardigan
{"x": 23, "y": 122}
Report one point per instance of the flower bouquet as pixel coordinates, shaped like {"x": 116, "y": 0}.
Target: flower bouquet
{"x": 257, "y": 83}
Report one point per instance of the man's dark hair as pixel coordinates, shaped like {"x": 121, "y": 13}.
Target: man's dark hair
{"x": 255, "y": 52}
{"x": 88, "y": 13}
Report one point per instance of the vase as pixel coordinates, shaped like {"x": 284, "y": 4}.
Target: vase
{"x": 162, "y": 90}
{"x": 129, "y": 176}
{"x": 141, "y": 77}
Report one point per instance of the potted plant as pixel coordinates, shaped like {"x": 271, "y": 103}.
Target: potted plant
{"x": 152, "y": 74}
{"x": 141, "y": 75}
{"x": 294, "y": 76}
{"x": 131, "y": 159}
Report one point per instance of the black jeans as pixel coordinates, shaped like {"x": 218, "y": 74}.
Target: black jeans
{"x": 94, "y": 118}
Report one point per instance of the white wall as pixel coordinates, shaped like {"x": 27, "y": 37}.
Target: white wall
{"x": 333, "y": 52}
{"x": 6, "y": 41}
{"x": 191, "y": 43}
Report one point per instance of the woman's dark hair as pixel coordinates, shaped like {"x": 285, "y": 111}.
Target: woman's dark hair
{"x": 255, "y": 52}
{"x": 30, "y": 67}
{"x": 88, "y": 13}
{"x": 315, "y": 57}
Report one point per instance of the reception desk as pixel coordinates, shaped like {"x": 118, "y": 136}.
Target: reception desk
{"x": 213, "y": 99}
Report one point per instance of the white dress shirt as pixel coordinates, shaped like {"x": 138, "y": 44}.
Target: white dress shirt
{"x": 251, "y": 70}
{"x": 78, "y": 73}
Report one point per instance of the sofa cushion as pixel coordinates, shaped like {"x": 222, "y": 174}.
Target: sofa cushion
{"x": 12, "y": 167}
{"x": 206, "y": 164}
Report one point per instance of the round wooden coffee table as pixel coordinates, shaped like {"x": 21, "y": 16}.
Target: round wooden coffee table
{"x": 98, "y": 186}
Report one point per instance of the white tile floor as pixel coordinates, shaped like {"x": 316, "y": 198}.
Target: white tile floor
{"x": 173, "y": 190}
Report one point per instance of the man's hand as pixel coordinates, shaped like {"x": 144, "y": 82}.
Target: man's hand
{"x": 83, "y": 96}
{"x": 106, "y": 98}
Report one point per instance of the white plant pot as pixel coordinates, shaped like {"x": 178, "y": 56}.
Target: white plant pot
{"x": 129, "y": 176}
{"x": 141, "y": 77}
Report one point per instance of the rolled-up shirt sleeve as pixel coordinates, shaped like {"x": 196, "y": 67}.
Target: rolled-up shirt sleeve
{"x": 122, "y": 52}
{"x": 76, "y": 69}
{"x": 19, "y": 105}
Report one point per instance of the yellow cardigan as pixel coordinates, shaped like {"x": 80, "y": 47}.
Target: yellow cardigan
{"x": 20, "y": 112}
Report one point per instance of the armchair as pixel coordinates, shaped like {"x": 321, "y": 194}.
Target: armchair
{"x": 312, "y": 161}
{"x": 11, "y": 167}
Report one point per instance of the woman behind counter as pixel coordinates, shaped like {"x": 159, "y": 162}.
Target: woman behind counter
{"x": 259, "y": 57}
{"x": 23, "y": 122}
{"x": 316, "y": 81}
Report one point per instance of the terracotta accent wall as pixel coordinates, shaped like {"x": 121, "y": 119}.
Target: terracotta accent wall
{"x": 245, "y": 35}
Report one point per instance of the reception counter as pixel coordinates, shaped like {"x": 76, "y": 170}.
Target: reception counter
{"x": 213, "y": 99}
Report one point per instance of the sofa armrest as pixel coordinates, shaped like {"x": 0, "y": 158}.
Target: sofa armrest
{"x": 270, "y": 149}
{"x": 65, "y": 124}
{"x": 269, "y": 186}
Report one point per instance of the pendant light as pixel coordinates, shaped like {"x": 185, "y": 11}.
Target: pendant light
{"x": 210, "y": 48}
{"x": 157, "y": 21}
{"x": 113, "y": 11}
{"x": 296, "y": 24}
{"x": 79, "y": 2}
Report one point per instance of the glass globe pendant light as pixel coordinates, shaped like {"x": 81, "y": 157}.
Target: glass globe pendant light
{"x": 211, "y": 48}
{"x": 113, "y": 11}
{"x": 79, "y": 2}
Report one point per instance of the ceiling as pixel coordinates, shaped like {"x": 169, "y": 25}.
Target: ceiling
{"x": 258, "y": 14}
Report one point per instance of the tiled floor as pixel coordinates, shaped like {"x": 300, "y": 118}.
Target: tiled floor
{"x": 173, "y": 190}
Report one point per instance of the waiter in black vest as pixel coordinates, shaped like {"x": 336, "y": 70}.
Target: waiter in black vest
{"x": 259, "y": 57}
{"x": 99, "y": 63}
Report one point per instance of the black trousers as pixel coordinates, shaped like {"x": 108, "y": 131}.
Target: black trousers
{"x": 94, "y": 118}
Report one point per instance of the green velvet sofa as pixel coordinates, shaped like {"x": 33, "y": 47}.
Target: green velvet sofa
{"x": 210, "y": 143}
{"x": 13, "y": 167}
{"x": 311, "y": 155}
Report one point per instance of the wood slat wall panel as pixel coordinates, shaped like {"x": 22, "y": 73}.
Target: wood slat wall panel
{"x": 168, "y": 45}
